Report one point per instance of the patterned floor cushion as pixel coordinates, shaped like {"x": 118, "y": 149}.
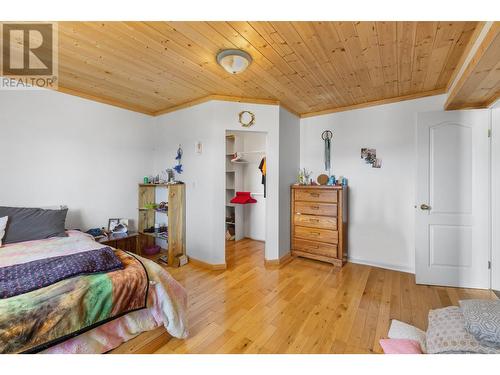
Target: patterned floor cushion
{"x": 400, "y": 330}
{"x": 482, "y": 320}
{"x": 447, "y": 334}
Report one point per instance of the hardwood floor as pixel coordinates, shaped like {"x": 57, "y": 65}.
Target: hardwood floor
{"x": 304, "y": 307}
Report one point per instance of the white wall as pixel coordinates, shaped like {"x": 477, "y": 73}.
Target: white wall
{"x": 381, "y": 201}
{"x": 205, "y": 174}
{"x": 60, "y": 149}
{"x": 289, "y": 168}
{"x": 495, "y": 195}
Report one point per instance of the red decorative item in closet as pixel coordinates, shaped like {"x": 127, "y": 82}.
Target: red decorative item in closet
{"x": 243, "y": 197}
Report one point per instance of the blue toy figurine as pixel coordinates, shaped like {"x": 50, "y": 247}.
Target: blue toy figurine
{"x": 178, "y": 167}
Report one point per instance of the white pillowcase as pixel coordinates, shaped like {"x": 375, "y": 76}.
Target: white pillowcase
{"x": 3, "y": 224}
{"x": 400, "y": 330}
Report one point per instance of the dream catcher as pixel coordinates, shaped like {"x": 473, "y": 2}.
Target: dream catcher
{"x": 327, "y": 136}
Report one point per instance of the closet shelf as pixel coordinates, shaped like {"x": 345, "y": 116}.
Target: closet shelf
{"x": 251, "y": 152}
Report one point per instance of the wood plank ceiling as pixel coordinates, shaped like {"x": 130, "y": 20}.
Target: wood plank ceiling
{"x": 479, "y": 85}
{"x": 308, "y": 67}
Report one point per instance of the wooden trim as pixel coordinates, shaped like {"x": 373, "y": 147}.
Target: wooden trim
{"x": 99, "y": 99}
{"x": 290, "y": 110}
{"x": 250, "y": 101}
{"x": 467, "y": 50}
{"x": 182, "y": 106}
{"x": 493, "y": 100}
{"x": 285, "y": 259}
{"x": 208, "y": 266}
{"x": 240, "y": 99}
{"x": 381, "y": 265}
{"x": 481, "y": 50}
{"x": 375, "y": 103}
{"x": 225, "y": 98}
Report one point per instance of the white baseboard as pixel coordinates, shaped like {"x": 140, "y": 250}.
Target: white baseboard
{"x": 394, "y": 267}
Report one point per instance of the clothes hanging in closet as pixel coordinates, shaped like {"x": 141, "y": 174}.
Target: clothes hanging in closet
{"x": 262, "y": 167}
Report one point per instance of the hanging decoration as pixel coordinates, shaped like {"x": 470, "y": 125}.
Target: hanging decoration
{"x": 246, "y": 119}
{"x": 327, "y": 136}
{"x": 178, "y": 167}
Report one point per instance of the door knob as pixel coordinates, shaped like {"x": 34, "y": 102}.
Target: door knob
{"x": 423, "y": 206}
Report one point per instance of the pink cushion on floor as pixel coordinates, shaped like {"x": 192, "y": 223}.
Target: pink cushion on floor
{"x": 400, "y": 346}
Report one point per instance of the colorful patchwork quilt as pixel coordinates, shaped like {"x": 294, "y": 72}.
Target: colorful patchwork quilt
{"x": 142, "y": 295}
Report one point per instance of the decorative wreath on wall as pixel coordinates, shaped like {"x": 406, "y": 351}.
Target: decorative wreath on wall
{"x": 247, "y": 118}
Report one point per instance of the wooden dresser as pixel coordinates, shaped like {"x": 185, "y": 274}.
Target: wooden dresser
{"x": 319, "y": 223}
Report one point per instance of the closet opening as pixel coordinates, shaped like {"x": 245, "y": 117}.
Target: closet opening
{"x": 245, "y": 220}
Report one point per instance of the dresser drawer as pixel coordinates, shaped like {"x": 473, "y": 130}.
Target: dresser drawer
{"x": 310, "y": 208}
{"x": 316, "y": 234}
{"x": 315, "y": 247}
{"x": 316, "y": 195}
{"x": 313, "y": 221}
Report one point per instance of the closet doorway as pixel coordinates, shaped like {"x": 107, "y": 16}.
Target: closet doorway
{"x": 245, "y": 188}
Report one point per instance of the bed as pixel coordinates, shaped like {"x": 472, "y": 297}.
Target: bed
{"x": 89, "y": 313}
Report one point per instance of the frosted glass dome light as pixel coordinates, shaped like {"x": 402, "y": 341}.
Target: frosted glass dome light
{"x": 234, "y": 61}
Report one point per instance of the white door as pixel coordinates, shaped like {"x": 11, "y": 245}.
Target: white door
{"x": 452, "y": 199}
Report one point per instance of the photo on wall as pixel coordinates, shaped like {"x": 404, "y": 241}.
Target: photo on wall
{"x": 370, "y": 157}
{"x": 377, "y": 163}
{"x": 369, "y": 154}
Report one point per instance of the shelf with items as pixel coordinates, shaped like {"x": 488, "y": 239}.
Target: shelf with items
{"x": 153, "y": 209}
{"x": 233, "y": 182}
{"x": 160, "y": 235}
{"x": 155, "y": 185}
{"x": 244, "y": 163}
{"x": 171, "y": 215}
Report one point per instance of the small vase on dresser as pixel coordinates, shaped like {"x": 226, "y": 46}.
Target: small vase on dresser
{"x": 319, "y": 223}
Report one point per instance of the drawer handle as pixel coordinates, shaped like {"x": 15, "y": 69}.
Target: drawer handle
{"x": 315, "y": 233}
{"x": 315, "y": 220}
{"x": 314, "y": 195}
{"x": 315, "y": 207}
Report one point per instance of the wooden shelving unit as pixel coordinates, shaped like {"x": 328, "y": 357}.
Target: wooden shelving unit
{"x": 175, "y": 219}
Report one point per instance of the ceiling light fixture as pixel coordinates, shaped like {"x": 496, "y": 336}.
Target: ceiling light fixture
{"x": 234, "y": 61}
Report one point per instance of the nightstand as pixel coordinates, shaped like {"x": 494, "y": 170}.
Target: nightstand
{"x": 122, "y": 241}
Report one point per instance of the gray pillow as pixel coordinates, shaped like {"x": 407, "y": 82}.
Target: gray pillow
{"x": 482, "y": 320}
{"x": 27, "y": 224}
{"x": 446, "y": 333}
